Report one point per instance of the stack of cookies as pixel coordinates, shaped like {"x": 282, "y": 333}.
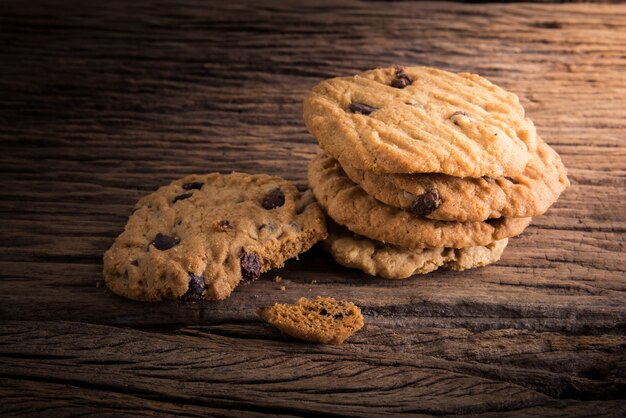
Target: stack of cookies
{"x": 424, "y": 168}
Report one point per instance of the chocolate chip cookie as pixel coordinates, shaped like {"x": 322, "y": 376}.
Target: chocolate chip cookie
{"x": 421, "y": 120}
{"x": 443, "y": 197}
{"x": 393, "y": 262}
{"x": 348, "y": 204}
{"x": 200, "y": 236}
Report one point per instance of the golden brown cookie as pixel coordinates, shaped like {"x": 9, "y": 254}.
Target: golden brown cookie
{"x": 443, "y": 197}
{"x": 322, "y": 320}
{"x": 200, "y": 236}
{"x": 393, "y": 262}
{"x": 347, "y": 204}
{"x": 421, "y": 120}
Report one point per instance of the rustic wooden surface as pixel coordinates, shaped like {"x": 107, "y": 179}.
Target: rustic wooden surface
{"x": 101, "y": 104}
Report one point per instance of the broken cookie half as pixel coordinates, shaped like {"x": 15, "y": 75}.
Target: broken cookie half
{"x": 201, "y": 236}
{"x": 321, "y": 320}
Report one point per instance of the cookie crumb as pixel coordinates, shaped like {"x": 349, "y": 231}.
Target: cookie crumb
{"x": 283, "y": 288}
{"x": 321, "y": 320}
{"x": 278, "y": 279}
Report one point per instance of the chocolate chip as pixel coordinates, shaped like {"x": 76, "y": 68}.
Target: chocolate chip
{"x": 196, "y": 185}
{"x": 135, "y": 263}
{"x": 338, "y": 316}
{"x": 425, "y": 204}
{"x": 182, "y": 197}
{"x": 459, "y": 113}
{"x": 275, "y": 199}
{"x": 196, "y": 289}
{"x": 270, "y": 228}
{"x": 361, "y": 108}
{"x": 402, "y": 79}
{"x": 324, "y": 312}
{"x": 223, "y": 225}
{"x": 401, "y": 82}
{"x": 164, "y": 242}
{"x": 250, "y": 266}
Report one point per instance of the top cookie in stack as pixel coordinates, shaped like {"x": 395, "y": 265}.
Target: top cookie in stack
{"x": 419, "y": 158}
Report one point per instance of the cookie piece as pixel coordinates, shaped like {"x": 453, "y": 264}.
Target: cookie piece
{"x": 393, "y": 262}
{"x": 348, "y": 204}
{"x": 448, "y": 198}
{"x": 202, "y": 235}
{"x": 421, "y": 120}
{"x": 322, "y": 320}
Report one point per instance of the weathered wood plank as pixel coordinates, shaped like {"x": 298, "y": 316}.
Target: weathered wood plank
{"x": 396, "y": 373}
{"x": 102, "y": 103}
{"x": 54, "y": 398}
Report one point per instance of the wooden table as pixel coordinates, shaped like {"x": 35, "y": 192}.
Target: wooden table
{"x": 102, "y": 103}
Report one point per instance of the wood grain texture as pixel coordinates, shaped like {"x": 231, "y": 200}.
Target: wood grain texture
{"x": 101, "y": 103}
